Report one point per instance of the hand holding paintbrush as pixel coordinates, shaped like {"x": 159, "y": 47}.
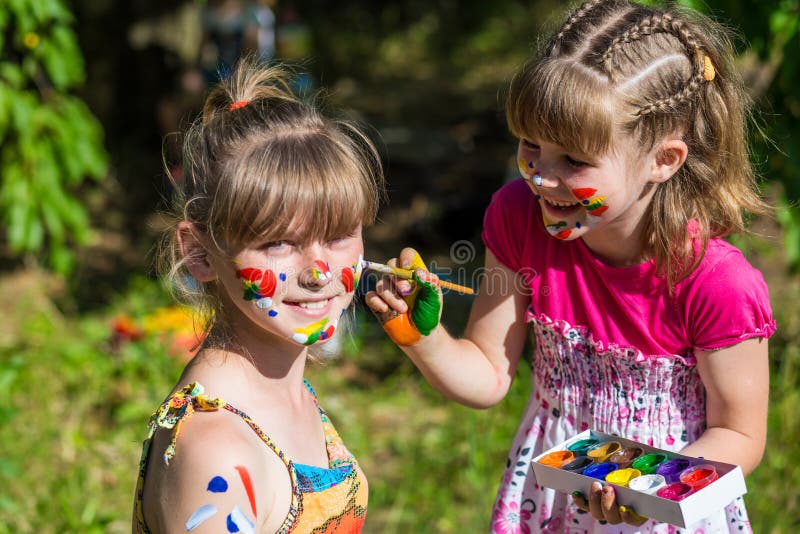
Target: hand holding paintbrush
{"x": 407, "y": 274}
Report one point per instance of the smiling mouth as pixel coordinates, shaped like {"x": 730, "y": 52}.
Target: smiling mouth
{"x": 310, "y": 304}
{"x": 561, "y": 205}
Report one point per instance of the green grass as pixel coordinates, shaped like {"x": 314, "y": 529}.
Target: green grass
{"x": 75, "y": 405}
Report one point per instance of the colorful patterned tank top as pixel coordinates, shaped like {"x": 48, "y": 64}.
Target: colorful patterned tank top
{"x": 324, "y": 500}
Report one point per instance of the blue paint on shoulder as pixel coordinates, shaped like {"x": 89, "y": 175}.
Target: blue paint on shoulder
{"x": 232, "y": 527}
{"x": 218, "y": 485}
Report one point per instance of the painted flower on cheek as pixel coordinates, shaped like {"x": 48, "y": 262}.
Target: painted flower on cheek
{"x": 352, "y": 275}
{"x": 258, "y": 285}
{"x": 595, "y": 205}
{"x": 316, "y": 331}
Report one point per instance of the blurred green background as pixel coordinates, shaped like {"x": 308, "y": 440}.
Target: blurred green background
{"x": 90, "y": 91}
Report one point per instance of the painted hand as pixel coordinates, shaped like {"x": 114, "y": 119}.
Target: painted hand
{"x": 408, "y": 310}
{"x": 602, "y": 505}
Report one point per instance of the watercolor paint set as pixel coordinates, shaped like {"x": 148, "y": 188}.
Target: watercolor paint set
{"x": 658, "y": 484}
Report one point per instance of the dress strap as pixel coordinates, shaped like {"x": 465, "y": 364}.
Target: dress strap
{"x": 177, "y": 408}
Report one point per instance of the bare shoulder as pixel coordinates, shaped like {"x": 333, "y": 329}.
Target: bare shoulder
{"x": 221, "y": 476}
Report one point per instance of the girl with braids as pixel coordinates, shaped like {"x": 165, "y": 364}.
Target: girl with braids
{"x": 632, "y": 125}
{"x": 268, "y": 221}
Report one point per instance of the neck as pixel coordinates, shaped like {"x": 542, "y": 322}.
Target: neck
{"x": 618, "y": 245}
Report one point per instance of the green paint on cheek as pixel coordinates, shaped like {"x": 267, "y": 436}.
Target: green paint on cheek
{"x": 556, "y": 226}
{"x": 312, "y": 338}
{"x": 427, "y": 308}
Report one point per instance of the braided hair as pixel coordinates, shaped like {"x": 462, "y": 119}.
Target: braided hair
{"x": 618, "y": 71}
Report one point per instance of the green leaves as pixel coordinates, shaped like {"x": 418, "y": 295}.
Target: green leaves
{"x": 51, "y": 142}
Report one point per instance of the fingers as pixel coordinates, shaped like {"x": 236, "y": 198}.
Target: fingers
{"x": 601, "y": 504}
{"x": 580, "y": 501}
{"x": 630, "y": 517}
{"x": 407, "y": 256}
{"x": 427, "y": 309}
{"x": 608, "y": 505}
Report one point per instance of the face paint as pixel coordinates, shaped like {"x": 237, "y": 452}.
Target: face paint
{"x": 526, "y": 168}
{"x": 316, "y": 331}
{"x": 238, "y": 522}
{"x": 321, "y": 270}
{"x": 201, "y": 515}
{"x": 258, "y": 285}
{"x": 348, "y": 279}
{"x": 217, "y": 485}
{"x": 248, "y": 487}
{"x": 351, "y": 276}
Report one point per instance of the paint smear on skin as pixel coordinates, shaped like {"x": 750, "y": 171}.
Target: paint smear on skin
{"x": 217, "y": 485}
{"x": 321, "y": 270}
{"x": 428, "y": 307}
{"x": 282, "y": 277}
{"x": 563, "y": 235}
{"x": 358, "y": 267}
{"x": 248, "y": 487}
{"x": 314, "y": 332}
{"x": 599, "y": 211}
{"x": 594, "y": 203}
{"x": 348, "y": 279}
{"x": 582, "y": 193}
{"x": 525, "y": 168}
{"x": 238, "y": 522}
{"x": 258, "y": 285}
{"x": 200, "y": 516}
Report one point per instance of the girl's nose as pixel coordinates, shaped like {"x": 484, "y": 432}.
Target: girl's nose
{"x": 315, "y": 275}
{"x": 544, "y": 180}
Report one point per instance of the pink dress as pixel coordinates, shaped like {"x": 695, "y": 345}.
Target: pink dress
{"x": 614, "y": 351}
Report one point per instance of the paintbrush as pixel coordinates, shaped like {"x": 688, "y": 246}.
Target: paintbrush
{"x": 407, "y": 274}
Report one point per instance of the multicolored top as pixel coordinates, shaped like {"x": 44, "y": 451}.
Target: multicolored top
{"x": 614, "y": 351}
{"x": 324, "y": 500}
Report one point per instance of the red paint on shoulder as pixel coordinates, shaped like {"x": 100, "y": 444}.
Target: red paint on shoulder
{"x": 248, "y": 487}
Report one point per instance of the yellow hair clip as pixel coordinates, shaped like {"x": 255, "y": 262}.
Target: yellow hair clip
{"x": 709, "y": 72}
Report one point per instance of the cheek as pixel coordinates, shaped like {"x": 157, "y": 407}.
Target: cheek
{"x": 592, "y": 200}
{"x": 350, "y": 275}
{"x": 525, "y": 162}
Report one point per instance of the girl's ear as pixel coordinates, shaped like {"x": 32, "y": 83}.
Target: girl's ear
{"x": 669, "y": 157}
{"x": 195, "y": 255}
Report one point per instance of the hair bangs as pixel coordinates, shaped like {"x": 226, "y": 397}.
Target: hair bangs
{"x": 565, "y": 103}
{"x": 324, "y": 194}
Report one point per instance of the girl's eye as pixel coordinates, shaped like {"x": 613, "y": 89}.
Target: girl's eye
{"x": 575, "y": 163}
{"x": 340, "y": 239}
{"x": 530, "y": 145}
{"x": 275, "y": 245}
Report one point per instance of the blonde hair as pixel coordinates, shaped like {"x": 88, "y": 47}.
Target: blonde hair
{"x": 618, "y": 69}
{"x": 257, "y": 159}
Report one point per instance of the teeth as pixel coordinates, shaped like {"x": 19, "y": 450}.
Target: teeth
{"x": 318, "y": 305}
{"x": 561, "y": 204}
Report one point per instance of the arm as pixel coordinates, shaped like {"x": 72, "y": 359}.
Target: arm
{"x": 476, "y": 370}
{"x": 736, "y": 379}
{"x": 218, "y": 475}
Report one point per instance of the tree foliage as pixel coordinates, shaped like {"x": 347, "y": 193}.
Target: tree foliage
{"x": 51, "y": 142}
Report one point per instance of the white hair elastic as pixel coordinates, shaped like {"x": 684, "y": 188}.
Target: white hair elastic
{"x": 537, "y": 180}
